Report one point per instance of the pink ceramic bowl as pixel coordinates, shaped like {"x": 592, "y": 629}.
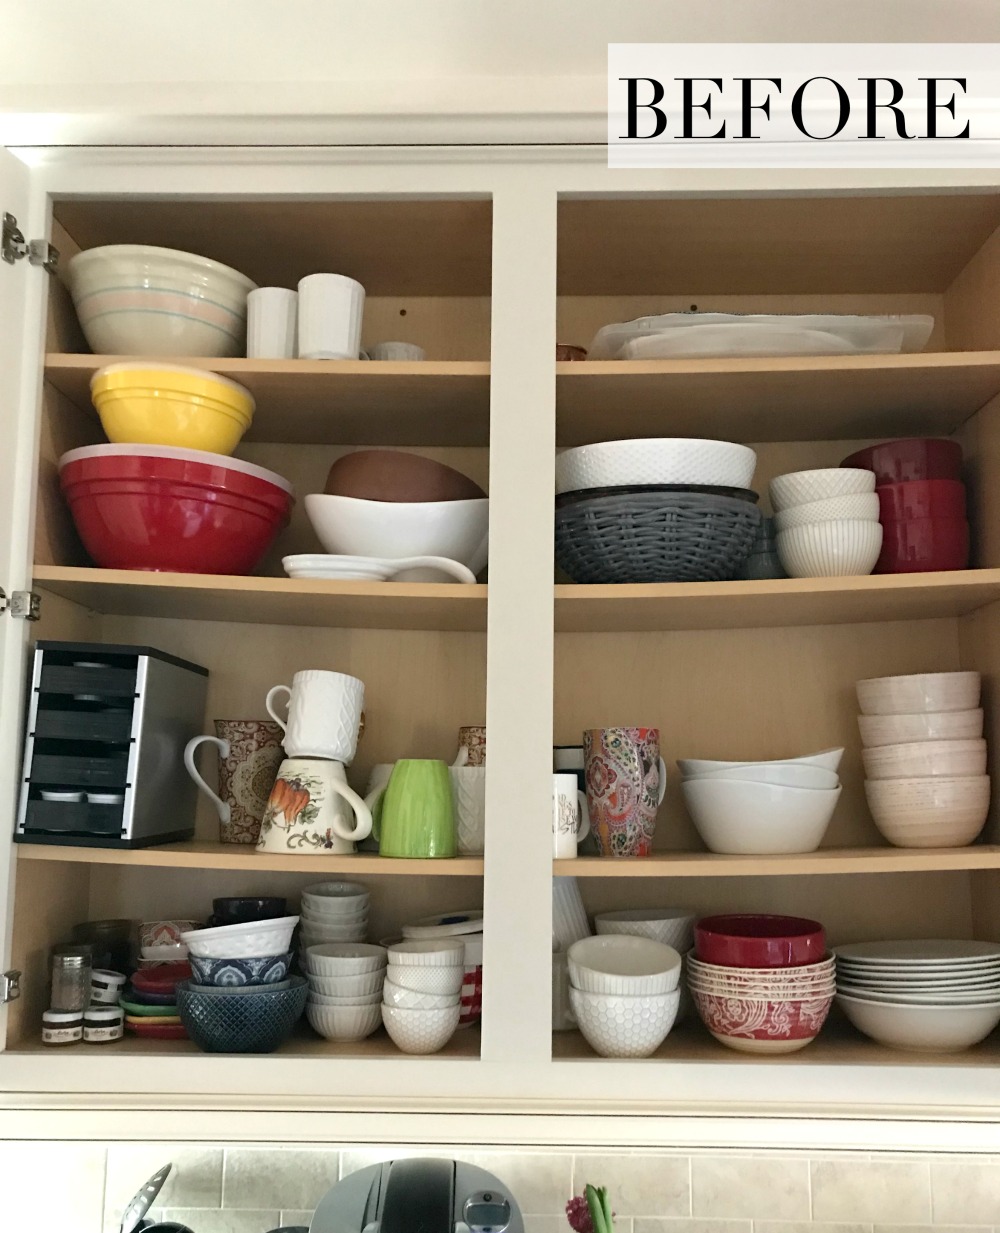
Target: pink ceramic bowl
{"x": 752, "y": 1025}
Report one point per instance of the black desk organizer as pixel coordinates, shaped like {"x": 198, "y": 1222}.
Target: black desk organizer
{"x": 113, "y": 720}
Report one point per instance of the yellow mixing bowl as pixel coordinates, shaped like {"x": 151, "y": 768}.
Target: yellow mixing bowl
{"x": 143, "y": 403}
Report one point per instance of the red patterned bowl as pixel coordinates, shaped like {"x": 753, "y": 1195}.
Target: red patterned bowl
{"x": 915, "y": 458}
{"x": 939, "y": 498}
{"x": 752, "y": 1025}
{"x": 759, "y": 941}
{"x": 922, "y": 545}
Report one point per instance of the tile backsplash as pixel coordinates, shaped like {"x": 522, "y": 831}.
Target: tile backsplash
{"x": 253, "y": 1188}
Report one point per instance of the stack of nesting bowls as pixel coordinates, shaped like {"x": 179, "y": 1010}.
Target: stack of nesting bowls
{"x": 664, "y": 509}
{"x": 938, "y": 996}
{"x": 921, "y": 504}
{"x": 762, "y": 984}
{"x": 334, "y": 912}
{"x": 467, "y": 926}
{"x": 762, "y": 808}
{"x": 420, "y": 998}
{"x": 624, "y": 993}
{"x": 925, "y": 758}
{"x": 345, "y": 988}
{"x": 763, "y": 561}
{"x": 827, "y": 522}
{"x": 135, "y": 299}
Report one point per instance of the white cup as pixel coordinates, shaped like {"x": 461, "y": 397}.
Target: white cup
{"x": 396, "y": 351}
{"x": 468, "y": 787}
{"x": 331, "y": 308}
{"x": 272, "y": 323}
{"x": 324, "y": 715}
{"x": 570, "y": 820}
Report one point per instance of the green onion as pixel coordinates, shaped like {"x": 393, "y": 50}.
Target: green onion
{"x": 599, "y": 1203}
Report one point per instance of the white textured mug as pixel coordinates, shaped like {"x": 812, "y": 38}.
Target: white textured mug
{"x": 468, "y": 786}
{"x": 570, "y": 820}
{"x": 272, "y": 323}
{"x": 324, "y": 715}
{"x": 331, "y": 309}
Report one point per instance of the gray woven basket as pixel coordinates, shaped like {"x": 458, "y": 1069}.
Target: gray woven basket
{"x": 655, "y": 537}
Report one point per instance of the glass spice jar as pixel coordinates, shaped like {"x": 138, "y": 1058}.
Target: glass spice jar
{"x": 71, "y": 968}
{"x": 62, "y": 1027}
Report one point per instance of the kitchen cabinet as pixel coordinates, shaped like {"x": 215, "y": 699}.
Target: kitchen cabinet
{"x": 485, "y": 260}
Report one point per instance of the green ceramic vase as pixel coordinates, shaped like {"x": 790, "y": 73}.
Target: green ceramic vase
{"x": 416, "y": 814}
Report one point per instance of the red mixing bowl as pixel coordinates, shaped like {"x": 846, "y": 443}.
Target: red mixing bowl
{"x": 759, "y": 941}
{"x": 921, "y": 499}
{"x": 915, "y": 458}
{"x": 923, "y": 545}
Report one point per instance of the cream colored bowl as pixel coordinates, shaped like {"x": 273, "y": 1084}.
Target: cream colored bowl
{"x": 879, "y": 730}
{"x": 929, "y": 812}
{"x": 923, "y": 759}
{"x": 921, "y": 691}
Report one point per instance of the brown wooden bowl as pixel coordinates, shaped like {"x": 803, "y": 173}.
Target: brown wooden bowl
{"x": 393, "y": 475}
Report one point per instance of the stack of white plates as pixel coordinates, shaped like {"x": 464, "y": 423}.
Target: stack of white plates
{"x": 334, "y": 912}
{"x": 934, "y": 995}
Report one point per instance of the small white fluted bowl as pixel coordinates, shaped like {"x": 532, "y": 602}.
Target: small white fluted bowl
{"x": 617, "y": 1026}
{"x": 742, "y": 818}
{"x": 841, "y": 549}
{"x": 937, "y": 1029}
{"x": 344, "y": 1022}
{"x": 420, "y": 1031}
{"x": 363, "y": 999}
{"x": 344, "y": 958}
{"x": 879, "y": 730}
{"x": 336, "y": 895}
{"x": 929, "y": 812}
{"x": 860, "y": 505}
{"x": 655, "y": 460}
{"x": 310, "y": 938}
{"x": 919, "y": 691}
{"x": 411, "y": 999}
{"x": 784, "y": 774}
{"x": 693, "y": 768}
{"x": 821, "y": 484}
{"x": 428, "y": 952}
{"x": 922, "y": 759}
{"x": 348, "y": 986}
{"x": 426, "y": 980}
{"x": 243, "y": 941}
{"x": 623, "y": 964}
{"x": 671, "y": 926}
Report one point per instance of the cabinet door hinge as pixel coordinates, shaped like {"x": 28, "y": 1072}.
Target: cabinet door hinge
{"x": 13, "y": 246}
{"x": 24, "y": 605}
{"x": 10, "y": 986}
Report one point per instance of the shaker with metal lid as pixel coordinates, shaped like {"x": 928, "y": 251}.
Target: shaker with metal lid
{"x": 71, "y": 966}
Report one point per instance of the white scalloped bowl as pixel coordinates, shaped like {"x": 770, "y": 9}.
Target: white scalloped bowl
{"x": 655, "y": 460}
{"x": 843, "y": 549}
{"x": 344, "y": 958}
{"x": 819, "y": 484}
{"x": 344, "y": 1022}
{"x": 364, "y": 999}
{"x": 347, "y": 986}
{"x": 427, "y": 953}
{"x": 243, "y": 941}
{"x": 616, "y": 1026}
{"x": 879, "y": 730}
{"x": 420, "y": 1031}
{"x": 859, "y": 505}
{"x": 929, "y": 812}
{"x": 923, "y": 759}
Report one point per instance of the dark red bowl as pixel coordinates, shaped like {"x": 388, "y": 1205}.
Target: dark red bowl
{"x": 915, "y": 458}
{"x": 923, "y": 545}
{"x": 921, "y": 499}
{"x": 759, "y": 941}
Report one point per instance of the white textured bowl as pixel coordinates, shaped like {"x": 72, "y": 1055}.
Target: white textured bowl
{"x": 879, "y": 730}
{"x": 410, "y": 999}
{"x": 364, "y": 999}
{"x": 921, "y": 691}
{"x": 623, "y": 964}
{"x": 458, "y": 530}
{"x": 855, "y": 505}
{"x": 920, "y": 759}
{"x": 929, "y": 812}
{"x": 336, "y": 896}
{"x": 655, "y": 460}
{"x": 828, "y": 759}
{"x": 427, "y": 980}
{"x": 671, "y": 926}
{"x": 420, "y": 1031}
{"x": 347, "y": 986}
{"x": 245, "y": 941}
{"x": 344, "y": 1022}
{"x": 830, "y": 549}
{"x": 624, "y": 1026}
{"x": 758, "y": 819}
{"x": 308, "y": 938}
{"x": 427, "y": 953}
{"x": 800, "y": 487}
{"x": 938, "y": 1029}
{"x": 784, "y": 774}
{"x": 317, "y": 924}
{"x": 344, "y": 958}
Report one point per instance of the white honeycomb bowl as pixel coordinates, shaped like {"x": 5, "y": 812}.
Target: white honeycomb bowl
{"x": 616, "y": 1026}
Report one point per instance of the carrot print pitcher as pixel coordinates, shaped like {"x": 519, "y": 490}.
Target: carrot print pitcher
{"x": 312, "y": 809}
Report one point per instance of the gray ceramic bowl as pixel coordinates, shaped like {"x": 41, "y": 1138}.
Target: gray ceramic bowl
{"x": 252, "y": 1023}
{"x": 263, "y": 970}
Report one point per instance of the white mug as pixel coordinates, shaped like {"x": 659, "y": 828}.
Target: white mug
{"x": 331, "y": 308}
{"x": 272, "y": 324}
{"x": 396, "y": 351}
{"x": 570, "y": 820}
{"x": 468, "y": 787}
{"x": 312, "y": 809}
{"x": 324, "y": 715}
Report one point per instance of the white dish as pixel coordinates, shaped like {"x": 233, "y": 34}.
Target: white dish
{"x": 819, "y": 484}
{"x": 922, "y": 691}
{"x": 622, "y": 964}
{"x": 879, "y": 730}
{"x": 755, "y": 338}
{"x": 828, "y": 759}
{"x": 344, "y": 1022}
{"x": 413, "y": 999}
{"x": 844, "y": 549}
{"x": 920, "y": 759}
{"x": 938, "y": 1029}
{"x": 337, "y": 999}
{"x": 348, "y": 986}
{"x": 427, "y": 952}
{"x": 935, "y": 997}
{"x": 783, "y": 774}
{"x": 344, "y": 958}
{"x": 624, "y": 1026}
{"x": 655, "y": 460}
{"x": 853, "y": 505}
{"x": 741, "y": 818}
{"x": 372, "y": 569}
{"x": 910, "y": 952}
{"x": 420, "y": 1031}
{"x": 245, "y": 941}
{"x": 338, "y": 894}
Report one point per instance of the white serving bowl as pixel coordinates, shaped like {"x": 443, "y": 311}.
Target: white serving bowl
{"x": 347, "y": 986}
{"x": 364, "y": 999}
{"x": 655, "y": 460}
{"x": 929, "y": 812}
{"x": 878, "y": 730}
{"x": 622, "y": 964}
{"x": 828, "y": 759}
{"x": 420, "y": 1031}
{"x": 344, "y": 1022}
{"x": 784, "y": 774}
{"x": 441, "y": 981}
{"x": 919, "y": 759}
{"x": 344, "y": 958}
{"x": 458, "y": 530}
{"x": 830, "y": 549}
{"x": 136, "y": 299}
{"x": 921, "y": 691}
{"x": 671, "y": 926}
{"x": 742, "y": 818}
{"x": 245, "y": 941}
{"x": 855, "y": 505}
{"x": 616, "y": 1026}
{"x": 410, "y": 999}
{"x": 937, "y": 1029}
{"x": 822, "y": 484}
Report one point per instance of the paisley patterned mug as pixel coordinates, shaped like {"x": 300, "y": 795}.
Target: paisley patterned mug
{"x": 249, "y": 756}
{"x": 626, "y": 782}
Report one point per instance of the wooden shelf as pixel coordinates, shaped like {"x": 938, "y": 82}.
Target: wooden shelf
{"x": 335, "y": 402}
{"x": 795, "y": 398}
{"x": 270, "y": 601}
{"x": 776, "y": 602}
{"x": 193, "y": 854}
{"x": 826, "y": 861}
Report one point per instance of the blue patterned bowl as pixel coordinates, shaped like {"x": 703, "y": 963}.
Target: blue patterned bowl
{"x": 253, "y": 1023}
{"x": 263, "y": 970}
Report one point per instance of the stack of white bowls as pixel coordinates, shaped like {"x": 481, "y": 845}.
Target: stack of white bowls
{"x": 345, "y": 988}
{"x": 934, "y": 995}
{"x": 466, "y": 925}
{"x": 624, "y": 993}
{"x": 762, "y": 808}
{"x": 827, "y": 522}
{"x": 421, "y": 996}
{"x": 334, "y": 912}
{"x": 925, "y": 758}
